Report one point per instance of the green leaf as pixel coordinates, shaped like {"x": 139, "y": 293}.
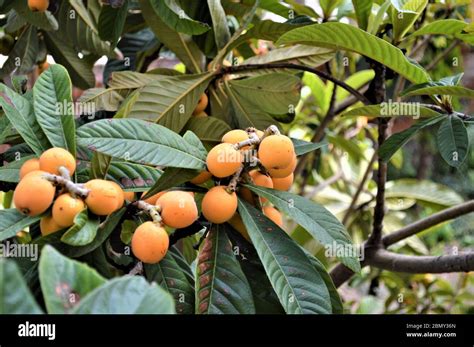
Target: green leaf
{"x": 20, "y": 113}
{"x": 208, "y": 129}
{"x": 43, "y": 20}
{"x": 398, "y": 140}
{"x": 182, "y": 45}
{"x": 22, "y": 58}
{"x": 174, "y": 16}
{"x": 404, "y": 15}
{"x": 111, "y": 22}
{"x": 356, "y": 81}
{"x": 79, "y": 26}
{"x": 83, "y": 231}
{"x": 453, "y": 141}
{"x": 328, "y": 6}
{"x": 299, "y": 286}
{"x": 434, "y": 89}
{"x": 172, "y": 177}
{"x": 139, "y": 141}
{"x": 303, "y": 147}
{"x": 15, "y": 296}
{"x": 99, "y": 166}
{"x": 300, "y": 54}
{"x": 12, "y": 221}
{"x": 169, "y": 101}
{"x": 441, "y": 27}
{"x": 422, "y": 191}
{"x": 11, "y": 171}
{"x": 79, "y": 69}
{"x": 104, "y": 99}
{"x": 141, "y": 298}
{"x": 169, "y": 275}
{"x": 219, "y": 23}
{"x": 52, "y": 95}
{"x": 5, "y": 128}
{"x": 133, "y": 177}
{"x": 363, "y": 9}
{"x": 394, "y": 109}
{"x": 64, "y": 281}
{"x": 317, "y": 220}
{"x": 221, "y": 286}
{"x": 344, "y": 36}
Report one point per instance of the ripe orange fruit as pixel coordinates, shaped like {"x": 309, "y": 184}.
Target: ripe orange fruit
{"x": 129, "y": 196}
{"x": 218, "y": 205}
{"x": 284, "y": 183}
{"x": 104, "y": 197}
{"x": 201, "y": 115}
{"x": 259, "y": 179}
{"x": 29, "y": 166}
{"x": 202, "y": 177}
{"x": 152, "y": 199}
{"x": 202, "y": 104}
{"x": 38, "y": 5}
{"x": 235, "y": 136}
{"x": 48, "y": 225}
{"x": 52, "y": 159}
{"x": 150, "y": 243}
{"x": 274, "y": 215}
{"x": 33, "y": 195}
{"x": 223, "y": 160}
{"x": 178, "y": 208}
{"x": 284, "y": 172}
{"x": 65, "y": 209}
{"x": 276, "y": 151}
{"x": 237, "y": 223}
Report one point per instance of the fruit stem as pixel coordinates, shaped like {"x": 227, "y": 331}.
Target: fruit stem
{"x": 271, "y": 130}
{"x": 235, "y": 179}
{"x": 252, "y": 140}
{"x": 65, "y": 181}
{"x": 152, "y": 210}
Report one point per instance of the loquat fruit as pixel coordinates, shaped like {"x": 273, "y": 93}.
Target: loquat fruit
{"x": 274, "y": 215}
{"x": 152, "y": 199}
{"x": 48, "y": 225}
{"x": 235, "y": 136}
{"x": 178, "y": 208}
{"x": 33, "y": 195}
{"x": 237, "y": 223}
{"x": 150, "y": 243}
{"x": 202, "y": 104}
{"x": 104, "y": 197}
{"x": 129, "y": 196}
{"x": 66, "y": 208}
{"x": 201, "y": 115}
{"x": 52, "y": 159}
{"x": 283, "y": 183}
{"x": 203, "y": 177}
{"x": 276, "y": 151}
{"x": 223, "y": 160}
{"x": 218, "y": 205}
{"x": 29, "y": 166}
{"x": 284, "y": 172}
{"x": 38, "y": 5}
{"x": 259, "y": 179}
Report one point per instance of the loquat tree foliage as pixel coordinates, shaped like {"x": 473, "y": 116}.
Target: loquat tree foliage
{"x": 179, "y": 189}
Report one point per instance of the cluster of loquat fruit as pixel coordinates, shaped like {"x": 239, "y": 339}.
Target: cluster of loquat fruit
{"x": 45, "y": 181}
{"x": 38, "y": 5}
{"x": 264, "y": 159}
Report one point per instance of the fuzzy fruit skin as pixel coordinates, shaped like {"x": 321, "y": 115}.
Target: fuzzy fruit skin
{"x": 274, "y": 215}
{"x": 276, "y": 151}
{"x": 129, "y": 196}
{"x": 152, "y": 199}
{"x": 48, "y": 225}
{"x": 202, "y": 104}
{"x": 65, "y": 208}
{"x": 223, "y": 160}
{"x": 284, "y": 183}
{"x": 237, "y": 223}
{"x": 218, "y": 205}
{"x": 286, "y": 171}
{"x": 150, "y": 243}
{"x": 38, "y": 5}
{"x": 33, "y": 195}
{"x": 104, "y": 197}
{"x": 203, "y": 177}
{"x": 29, "y": 166}
{"x": 259, "y": 179}
{"x": 178, "y": 209}
{"x": 52, "y": 159}
{"x": 236, "y": 136}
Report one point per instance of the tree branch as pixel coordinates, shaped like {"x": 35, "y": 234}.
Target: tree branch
{"x": 249, "y": 67}
{"x": 443, "y": 54}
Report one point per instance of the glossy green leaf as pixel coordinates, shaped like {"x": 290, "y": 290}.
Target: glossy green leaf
{"x": 111, "y": 22}
{"x": 133, "y": 177}
{"x": 174, "y": 16}
{"x": 441, "y": 27}
{"x": 363, "y": 9}
{"x": 453, "y": 141}
{"x": 22, "y": 58}
{"x": 316, "y": 219}
{"x": 53, "y": 107}
{"x": 219, "y": 23}
{"x": 43, "y": 20}
{"x": 299, "y": 286}
{"x": 208, "y": 129}
{"x": 83, "y": 231}
{"x": 11, "y": 171}
{"x": 12, "y": 221}
{"x": 15, "y": 296}
{"x": 65, "y": 282}
{"x": 346, "y": 37}
{"x": 139, "y": 141}
{"x": 142, "y": 298}
{"x": 221, "y": 286}
{"x": 303, "y": 147}
{"x": 404, "y": 15}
